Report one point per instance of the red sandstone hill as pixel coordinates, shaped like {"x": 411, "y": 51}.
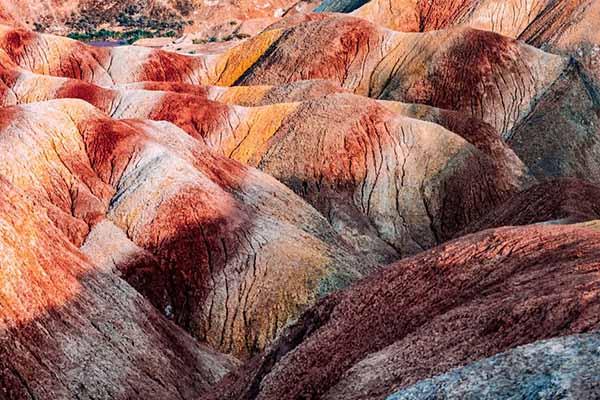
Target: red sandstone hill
{"x": 511, "y": 86}
{"x": 200, "y": 235}
{"x": 559, "y": 26}
{"x": 70, "y": 328}
{"x": 384, "y": 206}
{"x": 463, "y": 301}
{"x": 213, "y": 226}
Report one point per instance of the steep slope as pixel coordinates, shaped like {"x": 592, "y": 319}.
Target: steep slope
{"x": 455, "y": 304}
{"x": 558, "y": 368}
{"x": 360, "y": 164}
{"x": 367, "y": 169}
{"x": 558, "y": 26}
{"x": 578, "y": 38}
{"x": 71, "y": 329}
{"x": 499, "y": 86}
{"x": 560, "y": 136}
{"x": 473, "y": 130}
{"x": 482, "y": 74}
{"x": 514, "y": 18}
{"x": 59, "y": 56}
{"x": 207, "y": 240}
{"x": 565, "y": 201}
{"x": 503, "y": 83}
{"x": 545, "y": 106}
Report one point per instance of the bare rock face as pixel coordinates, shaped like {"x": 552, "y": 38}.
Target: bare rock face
{"x": 557, "y": 368}
{"x": 518, "y": 19}
{"x": 564, "y": 201}
{"x": 471, "y": 71}
{"x": 59, "y": 56}
{"x": 561, "y": 135}
{"x": 463, "y": 301}
{"x": 70, "y": 329}
{"x": 367, "y": 164}
{"x": 560, "y": 27}
{"x": 544, "y": 106}
{"x": 214, "y": 234}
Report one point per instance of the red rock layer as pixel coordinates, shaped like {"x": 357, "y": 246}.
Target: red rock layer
{"x": 363, "y": 161}
{"x": 499, "y": 86}
{"x": 481, "y": 74}
{"x": 529, "y": 21}
{"x": 468, "y": 299}
{"x": 565, "y": 201}
{"x": 58, "y": 56}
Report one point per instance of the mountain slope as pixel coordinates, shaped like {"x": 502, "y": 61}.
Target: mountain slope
{"x": 425, "y": 315}
{"x": 66, "y": 323}
{"x": 562, "y": 367}
{"x": 366, "y": 170}
{"x": 218, "y": 238}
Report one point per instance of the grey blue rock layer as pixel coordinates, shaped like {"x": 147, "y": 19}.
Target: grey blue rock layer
{"x": 562, "y": 368}
{"x": 340, "y": 6}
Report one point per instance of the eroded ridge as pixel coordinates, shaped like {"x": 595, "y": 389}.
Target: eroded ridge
{"x": 206, "y": 239}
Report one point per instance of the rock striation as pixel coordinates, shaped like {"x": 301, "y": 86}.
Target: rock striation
{"x": 561, "y": 201}
{"x": 368, "y": 170}
{"x": 71, "y": 329}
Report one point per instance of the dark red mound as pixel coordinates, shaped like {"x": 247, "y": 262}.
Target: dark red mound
{"x": 460, "y": 302}
{"x": 565, "y": 200}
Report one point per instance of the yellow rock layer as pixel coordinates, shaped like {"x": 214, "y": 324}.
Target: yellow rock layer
{"x": 252, "y": 137}
{"x": 232, "y": 65}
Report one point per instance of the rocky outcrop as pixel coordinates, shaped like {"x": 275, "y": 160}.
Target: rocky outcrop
{"x": 466, "y": 300}
{"x": 482, "y": 74}
{"x": 382, "y": 64}
{"x": 525, "y": 20}
{"x": 59, "y": 56}
{"x": 369, "y": 167}
{"x": 162, "y": 213}
{"x": 558, "y": 368}
{"x": 544, "y": 106}
{"x": 514, "y": 88}
{"x": 560, "y": 135}
{"x": 558, "y": 26}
